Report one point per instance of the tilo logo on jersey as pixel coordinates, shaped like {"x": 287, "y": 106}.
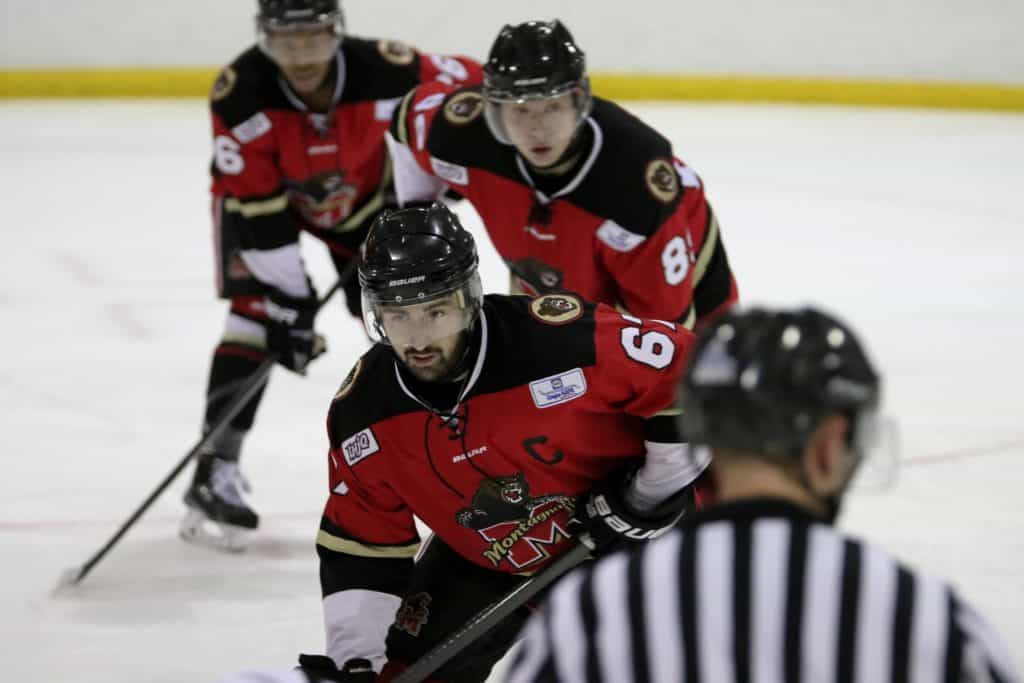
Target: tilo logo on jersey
{"x": 557, "y": 389}
{"x": 359, "y": 446}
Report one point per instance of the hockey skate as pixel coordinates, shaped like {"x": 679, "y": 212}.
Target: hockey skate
{"x": 218, "y": 515}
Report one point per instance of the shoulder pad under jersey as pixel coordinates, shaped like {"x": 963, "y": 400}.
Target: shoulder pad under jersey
{"x": 634, "y": 180}
{"x": 366, "y": 395}
{"x": 378, "y": 69}
{"x": 459, "y": 134}
{"x": 538, "y": 337}
{"x": 246, "y": 86}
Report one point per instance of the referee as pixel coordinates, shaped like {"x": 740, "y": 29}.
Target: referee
{"x": 761, "y": 587}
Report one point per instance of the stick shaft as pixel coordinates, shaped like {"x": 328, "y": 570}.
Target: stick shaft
{"x": 252, "y": 385}
{"x": 490, "y": 616}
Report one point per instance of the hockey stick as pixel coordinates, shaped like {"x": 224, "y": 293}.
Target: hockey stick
{"x": 73, "y": 575}
{"x": 489, "y": 617}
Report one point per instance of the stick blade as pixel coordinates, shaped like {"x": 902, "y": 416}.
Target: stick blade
{"x": 68, "y": 580}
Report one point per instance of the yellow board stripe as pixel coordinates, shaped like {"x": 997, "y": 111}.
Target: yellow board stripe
{"x": 196, "y": 82}
{"x": 349, "y": 547}
{"x": 262, "y": 207}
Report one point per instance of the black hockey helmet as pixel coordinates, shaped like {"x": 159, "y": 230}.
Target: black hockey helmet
{"x": 276, "y": 17}
{"x": 761, "y": 381}
{"x": 532, "y": 61}
{"x": 413, "y": 256}
{"x": 283, "y": 12}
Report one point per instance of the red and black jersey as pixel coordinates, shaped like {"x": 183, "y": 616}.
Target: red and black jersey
{"x": 559, "y": 395}
{"x": 278, "y": 167}
{"x": 628, "y": 225}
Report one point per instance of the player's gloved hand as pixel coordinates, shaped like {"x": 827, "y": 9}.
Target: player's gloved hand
{"x": 321, "y": 669}
{"x": 603, "y": 520}
{"x": 290, "y": 332}
{"x": 312, "y": 669}
{"x": 534, "y": 277}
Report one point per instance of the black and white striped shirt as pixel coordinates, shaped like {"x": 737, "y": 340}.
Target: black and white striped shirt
{"x": 757, "y": 592}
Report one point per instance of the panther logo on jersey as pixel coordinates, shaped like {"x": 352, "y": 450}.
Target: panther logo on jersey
{"x": 662, "y": 180}
{"x": 518, "y": 526}
{"x": 349, "y": 381}
{"x": 413, "y": 614}
{"x": 324, "y": 200}
{"x": 463, "y": 108}
{"x": 396, "y": 52}
{"x": 224, "y": 84}
{"x": 556, "y": 309}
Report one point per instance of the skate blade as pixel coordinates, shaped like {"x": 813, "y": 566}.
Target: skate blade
{"x": 198, "y": 529}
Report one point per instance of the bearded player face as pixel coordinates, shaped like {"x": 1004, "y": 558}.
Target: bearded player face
{"x": 428, "y": 338}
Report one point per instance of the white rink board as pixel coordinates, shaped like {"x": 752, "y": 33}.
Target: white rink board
{"x": 906, "y": 223}
{"x": 942, "y": 40}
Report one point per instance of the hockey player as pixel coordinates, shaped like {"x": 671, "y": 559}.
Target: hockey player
{"x": 298, "y": 127}
{"x": 760, "y": 586}
{"x": 576, "y": 193}
{"x": 487, "y": 417}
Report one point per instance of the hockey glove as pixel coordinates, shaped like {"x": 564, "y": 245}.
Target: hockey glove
{"x": 290, "y": 330}
{"x": 534, "y": 277}
{"x": 604, "y": 521}
{"x": 321, "y": 669}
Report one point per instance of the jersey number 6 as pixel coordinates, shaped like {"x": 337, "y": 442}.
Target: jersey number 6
{"x": 650, "y": 348}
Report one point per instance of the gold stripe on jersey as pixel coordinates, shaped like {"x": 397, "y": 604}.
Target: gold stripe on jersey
{"x": 403, "y": 110}
{"x": 257, "y": 341}
{"x": 262, "y": 207}
{"x": 689, "y": 319}
{"x": 350, "y": 547}
{"x": 707, "y": 249}
{"x": 669, "y": 412}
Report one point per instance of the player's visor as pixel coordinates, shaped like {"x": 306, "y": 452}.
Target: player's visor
{"x": 500, "y": 104}
{"x": 296, "y": 43}
{"x": 877, "y": 445}
{"x": 418, "y": 322}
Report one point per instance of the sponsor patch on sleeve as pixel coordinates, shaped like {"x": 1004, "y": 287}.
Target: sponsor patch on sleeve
{"x": 453, "y": 173}
{"x": 359, "y": 446}
{"x": 617, "y": 237}
{"x": 253, "y": 127}
{"x": 557, "y": 389}
{"x": 556, "y": 309}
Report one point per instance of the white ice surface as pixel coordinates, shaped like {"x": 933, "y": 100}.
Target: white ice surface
{"x": 907, "y": 223}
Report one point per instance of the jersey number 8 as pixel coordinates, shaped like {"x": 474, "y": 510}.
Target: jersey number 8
{"x": 675, "y": 259}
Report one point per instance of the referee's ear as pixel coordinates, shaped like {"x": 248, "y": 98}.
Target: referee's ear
{"x": 827, "y": 460}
